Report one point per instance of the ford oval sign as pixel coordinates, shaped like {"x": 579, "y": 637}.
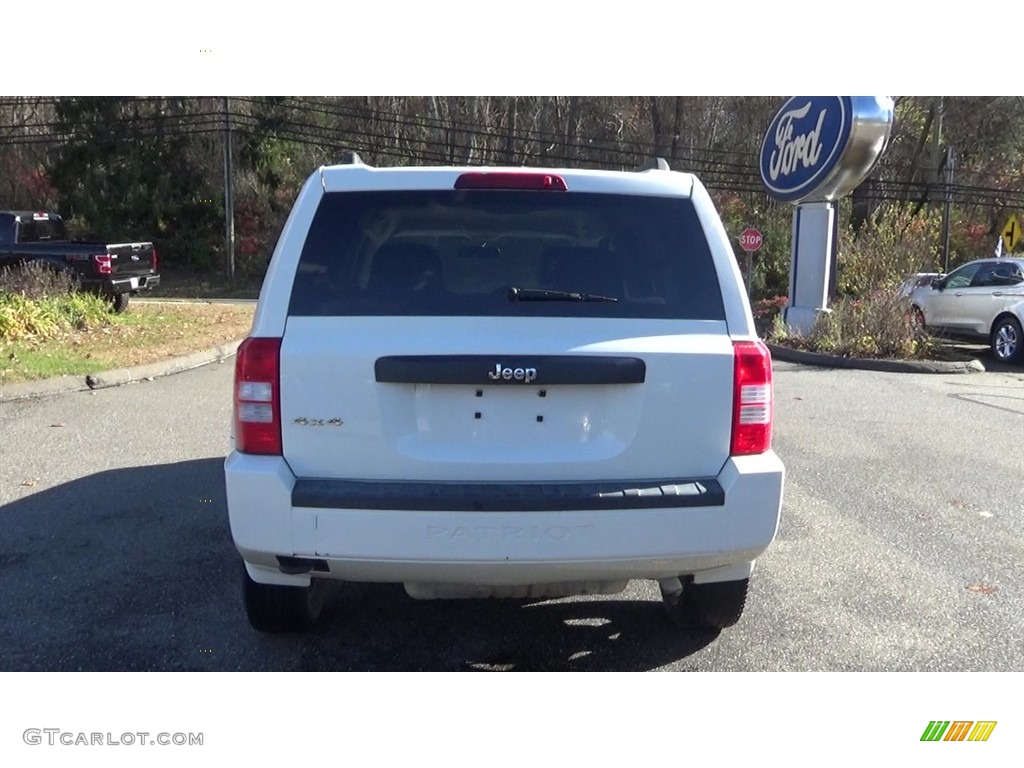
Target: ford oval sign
{"x": 821, "y": 147}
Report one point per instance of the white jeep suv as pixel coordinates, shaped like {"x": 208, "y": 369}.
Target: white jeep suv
{"x": 502, "y": 382}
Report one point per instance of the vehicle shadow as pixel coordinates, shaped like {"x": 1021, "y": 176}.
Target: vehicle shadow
{"x": 981, "y": 352}
{"x": 134, "y": 569}
{"x": 984, "y": 398}
{"x": 114, "y": 570}
{"x": 626, "y": 632}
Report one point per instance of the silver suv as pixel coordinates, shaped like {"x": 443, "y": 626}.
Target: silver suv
{"x": 502, "y": 382}
{"x": 983, "y": 300}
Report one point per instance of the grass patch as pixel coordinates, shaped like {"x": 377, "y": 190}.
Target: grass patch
{"x": 46, "y": 362}
{"x": 147, "y": 333}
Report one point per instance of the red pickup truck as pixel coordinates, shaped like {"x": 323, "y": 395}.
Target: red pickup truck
{"x": 115, "y": 270}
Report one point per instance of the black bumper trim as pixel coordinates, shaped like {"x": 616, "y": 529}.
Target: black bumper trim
{"x": 506, "y": 497}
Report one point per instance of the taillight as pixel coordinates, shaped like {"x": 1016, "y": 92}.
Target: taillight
{"x": 486, "y": 180}
{"x": 156, "y": 260}
{"x": 102, "y": 262}
{"x": 752, "y": 399}
{"x": 258, "y": 397}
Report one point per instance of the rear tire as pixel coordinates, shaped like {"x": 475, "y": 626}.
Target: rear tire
{"x": 119, "y": 302}
{"x": 917, "y": 318}
{"x": 707, "y": 606}
{"x": 1007, "y": 340}
{"x": 277, "y": 608}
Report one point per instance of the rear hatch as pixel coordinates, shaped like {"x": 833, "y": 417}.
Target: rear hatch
{"x": 505, "y": 336}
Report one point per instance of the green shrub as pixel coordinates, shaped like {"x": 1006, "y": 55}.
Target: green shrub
{"x": 876, "y": 326}
{"x": 48, "y": 318}
{"x": 884, "y": 253}
{"x": 774, "y": 220}
{"x": 84, "y": 310}
{"x": 21, "y": 317}
{"x": 766, "y": 311}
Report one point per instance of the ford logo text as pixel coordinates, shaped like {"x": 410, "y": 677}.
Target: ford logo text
{"x": 790, "y": 150}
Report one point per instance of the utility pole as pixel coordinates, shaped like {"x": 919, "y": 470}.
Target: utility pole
{"x": 950, "y": 166}
{"x": 940, "y": 111}
{"x": 229, "y": 197}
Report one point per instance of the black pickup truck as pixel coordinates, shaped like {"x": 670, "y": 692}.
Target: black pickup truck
{"x": 112, "y": 270}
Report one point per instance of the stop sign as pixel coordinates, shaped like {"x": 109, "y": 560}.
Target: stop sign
{"x": 750, "y": 239}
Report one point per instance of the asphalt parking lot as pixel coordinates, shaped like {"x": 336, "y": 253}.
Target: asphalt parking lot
{"x": 901, "y": 546}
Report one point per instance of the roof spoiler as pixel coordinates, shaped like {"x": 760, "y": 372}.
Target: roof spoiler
{"x": 349, "y": 157}
{"x": 654, "y": 164}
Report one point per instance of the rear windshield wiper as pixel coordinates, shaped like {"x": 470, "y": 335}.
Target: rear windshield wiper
{"x": 540, "y": 294}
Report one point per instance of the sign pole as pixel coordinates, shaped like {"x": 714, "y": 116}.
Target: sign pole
{"x": 750, "y": 276}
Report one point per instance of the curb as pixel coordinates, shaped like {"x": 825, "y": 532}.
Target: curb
{"x": 889, "y": 366}
{"x": 118, "y": 376}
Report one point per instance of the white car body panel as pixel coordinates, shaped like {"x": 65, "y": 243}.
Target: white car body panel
{"x": 424, "y": 431}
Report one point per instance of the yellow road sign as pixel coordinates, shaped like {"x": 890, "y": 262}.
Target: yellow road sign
{"x": 1012, "y": 233}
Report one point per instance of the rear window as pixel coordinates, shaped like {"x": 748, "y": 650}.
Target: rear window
{"x": 32, "y": 230}
{"x": 462, "y": 252}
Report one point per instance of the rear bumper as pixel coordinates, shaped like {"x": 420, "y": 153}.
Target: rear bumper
{"x": 500, "y": 546}
{"x": 123, "y": 284}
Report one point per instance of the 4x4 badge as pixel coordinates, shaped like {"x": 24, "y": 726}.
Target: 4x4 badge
{"x": 525, "y": 375}
{"x": 302, "y": 421}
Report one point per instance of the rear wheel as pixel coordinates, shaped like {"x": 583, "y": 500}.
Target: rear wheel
{"x": 277, "y": 608}
{"x": 917, "y": 318}
{"x": 119, "y": 302}
{"x": 1007, "y": 340}
{"x": 707, "y": 606}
